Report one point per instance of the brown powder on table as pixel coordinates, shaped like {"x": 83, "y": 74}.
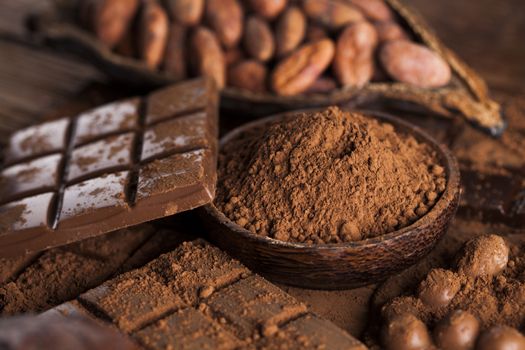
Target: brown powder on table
{"x": 327, "y": 177}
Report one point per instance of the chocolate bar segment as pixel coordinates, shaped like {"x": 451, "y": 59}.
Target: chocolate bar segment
{"x": 116, "y": 166}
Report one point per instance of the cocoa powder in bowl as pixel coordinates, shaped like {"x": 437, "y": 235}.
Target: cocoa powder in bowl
{"x": 325, "y": 177}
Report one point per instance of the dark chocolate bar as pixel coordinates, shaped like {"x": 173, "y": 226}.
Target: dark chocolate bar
{"x": 197, "y": 297}
{"x": 57, "y": 332}
{"x": 112, "y": 167}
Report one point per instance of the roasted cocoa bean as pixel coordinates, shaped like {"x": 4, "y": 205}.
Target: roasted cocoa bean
{"x": 248, "y": 75}
{"x": 175, "y": 57}
{"x": 153, "y": 33}
{"x": 258, "y": 39}
{"x": 389, "y": 30}
{"x": 414, "y": 64}
{"x": 290, "y": 30}
{"x": 354, "y": 55}
{"x": 207, "y": 57}
{"x": 226, "y": 18}
{"x": 374, "y": 10}
{"x": 268, "y": 8}
{"x": 297, "y": 72}
{"x": 187, "y": 12}
{"x": 333, "y": 14}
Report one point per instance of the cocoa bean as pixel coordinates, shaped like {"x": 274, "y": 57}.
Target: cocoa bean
{"x": 268, "y": 8}
{"x": 187, "y": 12}
{"x": 315, "y": 32}
{"x": 248, "y": 75}
{"x": 207, "y": 57}
{"x": 297, "y": 72}
{"x": 109, "y": 20}
{"x": 225, "y": 17}
{"x": 153, "y": 33}
{"x": 333, "y": 14}
{"x": 233, "y": 56}
{"x": 322, "y": 85}
{"x": 414, "y": 64}
{"x": 390, "y": 31}
{"x": 175, "y": 57}
{"x": 354, "y": 60}
{"x": 258, "y": 39}
{"x": 290, "y": 30}
{"x": 375, "y": 10}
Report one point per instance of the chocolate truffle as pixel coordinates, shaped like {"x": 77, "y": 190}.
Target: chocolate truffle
{"x": 484, "y": 256}
{"x": 501, "y": 338}
{"x": 457, "y": 331}
{"x": 406, "y": 332}
{"x": 439, "y": 288}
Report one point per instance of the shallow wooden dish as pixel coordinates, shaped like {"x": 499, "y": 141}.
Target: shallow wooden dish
{"x": 345, "y": 265}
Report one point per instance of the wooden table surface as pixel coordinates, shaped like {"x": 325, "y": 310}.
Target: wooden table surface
{"x": 488, "y": 34}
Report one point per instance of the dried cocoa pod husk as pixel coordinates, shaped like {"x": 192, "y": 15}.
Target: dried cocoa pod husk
{"x": 258, "y": 39}
{"x": 225, "y": 17}
{"x": 268, "y": 8}
{"x": 175, "y": 56}
{"x": 108, "y": 19}
{"x": 249, "y": 75}
{"x": 289, "y": 30}
{"x": 297, "y": 72}
{"x": 186, "y": 12}
{"x": 466, "y": 95}
{"x": 152, "y": 33}
{"x": 207, "y": 56}
{"x": 354, "y": 55}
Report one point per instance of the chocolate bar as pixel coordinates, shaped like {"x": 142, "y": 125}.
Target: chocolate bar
{"x": 56, "y": 332}
{"x": 112, "y": 167}
{"x": 198, "y": 297}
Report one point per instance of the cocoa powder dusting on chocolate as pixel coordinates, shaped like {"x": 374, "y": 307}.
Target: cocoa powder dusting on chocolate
{"x": 327, "y": 177}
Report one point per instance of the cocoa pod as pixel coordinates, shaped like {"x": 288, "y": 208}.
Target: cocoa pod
{"x": 175, "y": 57}
{"x": 374, "y": 10}
{"x": 225, "y": 17}
{"x": 389, "y": 30}
{"x": 248, "y": 75}
{"x": 322, "y": 85}
{"x": 333, "y": 14}
{"x": 258, "y": 39}
{"x": 153, "y": 33}
{"x": 315, "y": 32}
{"x": 187, "y": 12}
{"x": 268, "y": 8}
{"x": 354, "y": 56}
{"x": 297, "y": 72}
{"x": 414, "y": 64}
{"x": 290, "y": 30}
{"x": 207, "y": 57}
{"x": 109, "y": 20}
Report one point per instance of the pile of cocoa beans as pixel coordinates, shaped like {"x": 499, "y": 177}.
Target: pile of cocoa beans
{"x": 282, "y": 46}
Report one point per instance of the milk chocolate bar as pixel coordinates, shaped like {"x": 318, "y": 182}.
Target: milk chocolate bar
{"x": 116, "y": 166}
{"x": 197, "y": 297}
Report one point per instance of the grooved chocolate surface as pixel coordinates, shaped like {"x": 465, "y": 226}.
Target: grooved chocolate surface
{"x": 115, "y": 166}
{"x": 197, "y": 297}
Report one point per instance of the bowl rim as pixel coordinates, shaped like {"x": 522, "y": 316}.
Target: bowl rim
{"x": 444, "y": 154}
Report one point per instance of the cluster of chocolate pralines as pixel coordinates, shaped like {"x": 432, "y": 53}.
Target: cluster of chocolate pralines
{"x": 475, "y": 306}
{"x": 287, "y": 47}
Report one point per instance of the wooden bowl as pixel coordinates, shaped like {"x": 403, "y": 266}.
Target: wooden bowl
{"x": 343, "y": 265}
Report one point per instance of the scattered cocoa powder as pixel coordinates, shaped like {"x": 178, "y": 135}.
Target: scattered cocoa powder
{"x": 327, "y": 177}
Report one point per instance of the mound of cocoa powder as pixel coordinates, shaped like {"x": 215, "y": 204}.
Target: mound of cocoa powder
{"x": 327, "y": 177}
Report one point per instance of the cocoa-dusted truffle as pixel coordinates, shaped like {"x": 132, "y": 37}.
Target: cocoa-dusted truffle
{"x": 501, "y": 338}
{"x": 484, "y": 256}
{"x": 439, "y": 288}
{"x": 458, "y": 331}
{"x": 406, "y": 332}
